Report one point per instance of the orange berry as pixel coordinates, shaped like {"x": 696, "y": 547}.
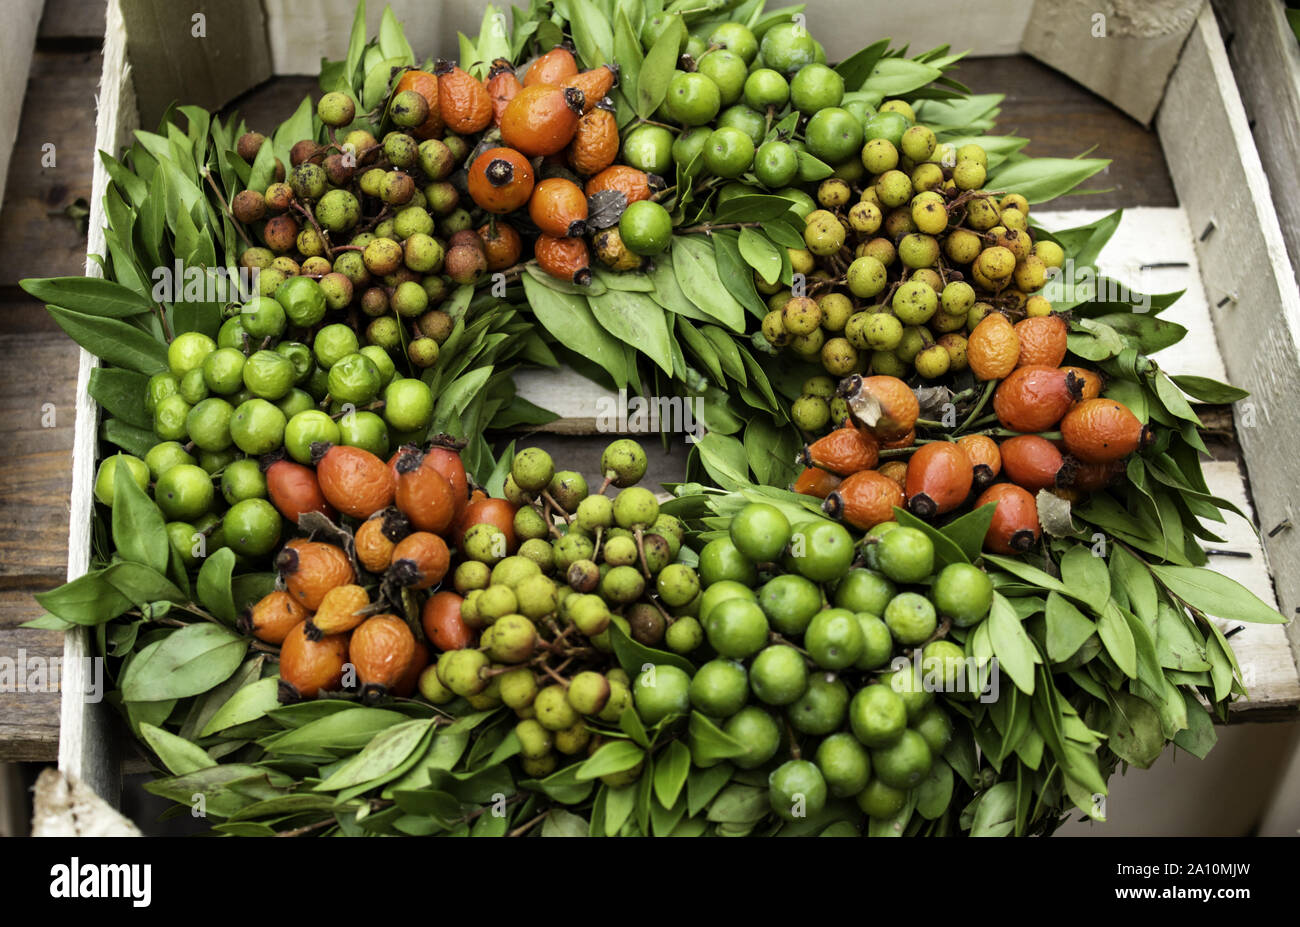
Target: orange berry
{"x": 424, "y": 495}
{"x": 499, "y": 513}
{"x": 295, "y": 490}
{"x": 501, "y": 244}
{"x": 541, "y": 119}
{"x": 1089, "y": 477}
{"x": 273, "y": 616}
{"x": 354, "y": 481}
{"x": 906, "y": 440}
{"x": 564, "y": 258}
{"x": 448, "y": 463}
{"x": 595, "y": 143}
{"x": 426, "y": 85}
{"x": 896, "y": 470}
{"x": 939, "y": 478}
{"x": 1034, "y": 398}
{"x": 442, "y": 623}
{"x": 374, "y": 547}
{"x": 462, "y": 98}
{"x": 554, "y": 67}
{"x": 1042, "y": 340}
{"x": 993, "y": 348}
{"x": 312, "y": 568}
{"x": 594, "y": 84}
{"x": 559, "y": 207}
{"x": 309, "y": 667}
{"x": 340, "y": 611}
{"x": 502, "y": 86}
{"x": 884, "y": 405}
{"x": 420, "y": 560}
{"x": 982, "y": 451}
{"x": 1030, "y": 462}
{"x": 500, "y": 180}
{"x": 405, "y": 687}
{"x": 1092, "y": 381}
{"x": 842, "y": 451}
{"x": 1102, "y": 430}
{"x": 814, "y": 481}
{"x": 632, "y": 183}
{"x": 381, "y": 651}
{"x": 1014, "y": 528}
{"x": 864, "y": 499}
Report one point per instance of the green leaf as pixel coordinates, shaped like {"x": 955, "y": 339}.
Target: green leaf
{"x": 636, "y": 320}
{"x": 1011, "y": 645}
{"x": 345, "y": 729}
{"x": 139, "y": 529}
{"x": 214, "y": 588}
{"x": 248, "y": 704}
{"x": 709, "y": 743}
{"x": 179, "y": 755}
{"x": 670, "y": 773}
{"x": 725, "y": 459}
{"x": 1199, "y": 736}
{"x": 740, "y": 804}
{"x": 631, "y": 724}
{"x": 1067, "y": 628}
{"x": 761, "y": 254}
{"x": 1087, "y": 575}
{"x": 263, "y": 169}
{"x": 946, "y": 550}
{"x": 696, "y": 268}
{"x": 891, "y": 77}
{"x": 1214, "y": 594}
{"x": 113, "y": 341}
{"x": 753, "y": 207}
{"x": 627, "y": 52}
{"x": 592, "y": 36}
{"x": 187, "y": 662}
{"x": 1177, "y": 645}
{"x": 1042, "y": 179}
{"x": 968, "y": 531}
{"x": 995, "y": 815}
{"x": 1116, "y": 634}
{"x": 563, "y": 786}
{"x": 87, "y": 600}
{"x": 657, "y": 68}
{"x": 632, "y": 655}
{"x": 392, "y": 40}
{"x": 569, "y": 318}
{"x": 619, "y": 804}
{"x": 1207, "y": 390}
{"x": 855, "y": 69}
{"x": 387, "y": 752}
{"x": 1134, "y": 731}
{"x": 615, "y": 756}
{"x": 88, "y": 296}
{"x": 121, "y": 394}
{"x": 561, "y": 823}
{"x": 935, "y": 791}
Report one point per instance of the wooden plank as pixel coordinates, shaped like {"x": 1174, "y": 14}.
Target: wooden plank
{"x": 87, "y": 748}
{"x": 36, "y": 238}
{"x": 1266, "y": 64}
{"x": 1222, "y": 185}
{"x": 17, "y": 40}
{"x": 72, "y": 19}
{"x": 1125, "y": 52}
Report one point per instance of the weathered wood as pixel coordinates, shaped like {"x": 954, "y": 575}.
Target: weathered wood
{"x": 36, "y": 238}
{"x": 1266, "y": 63}
{"x": 1124, "y": 50}
{"x": 1222, "y": 185}
{"x": 17, "y": 40}
{"x": 72, "y": 19}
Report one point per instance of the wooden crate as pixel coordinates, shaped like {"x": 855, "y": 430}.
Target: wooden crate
{"x": 1200, "y": 123}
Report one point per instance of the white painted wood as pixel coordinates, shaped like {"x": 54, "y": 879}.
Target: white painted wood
{"x": 86, "y": 750}
{"x": 576, "y": 400}
{"x": 1220, "y": 179}
{"x": 17, "y": 42}
{"x": 1265, "y": 60}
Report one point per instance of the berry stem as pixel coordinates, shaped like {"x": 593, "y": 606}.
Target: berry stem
{"x": 311, "y": 217}
{"x": 526, "y": 827}
{"x": 225, "y": 207}
{"x": 979, "y": 406}
{"x": 559, "y": 509}
{"x": 708, "y": 228}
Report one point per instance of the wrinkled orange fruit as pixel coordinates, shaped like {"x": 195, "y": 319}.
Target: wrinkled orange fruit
{"x": 541, "y": 119}
{"x": 558, "y": 207}
{"x": 502, "y": 86}
{"x": 381, "y": 650}
{"x": 632, "y": 183}
{"x": 442, "y": 622}
{"x": 814, "y": 481}
{"x": 1042, "y": 340}
{"x": 993, "y": 348}
{"x": 500, "y": 180}
{"x": 420, "y": 560}
{"x": 554, "y": 67}
{"x": 501, "y": 244}
{"x": 896, "y": 470}
{"x": 595, "y": 143}
{"x": 339, "y": 611}
{"x": 885, "y": 406}
{"x": 462, "y": 98}
{"x": 424, "y": 495}
{"x": 273, "y": 616}
{"x": 374, "y": 549}
{"x": 1102, "y": 430}
{"x": 986, "y": 460}
{"x": 309, "y": 667}
{"x": 311, "y": 569}
{"x": 864, "y": 499}
{"x": 1034, "y": 398}
{"x": 564, "y": 258}
{"x": 355, "y": 481}
{"x": 1089, "y": 477}
{"x": 1092, "y": 381}
{"x": 842, "y": 451}
{"x": 594, "y": 84}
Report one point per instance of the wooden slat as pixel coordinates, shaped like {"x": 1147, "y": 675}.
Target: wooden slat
{"x": 1221, "y": 183}
{"x": 17, "y": 40}
{"x": 36, "y": 239}
{"x": 72, "y": 19}
{"x": 1266, "y": 64}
